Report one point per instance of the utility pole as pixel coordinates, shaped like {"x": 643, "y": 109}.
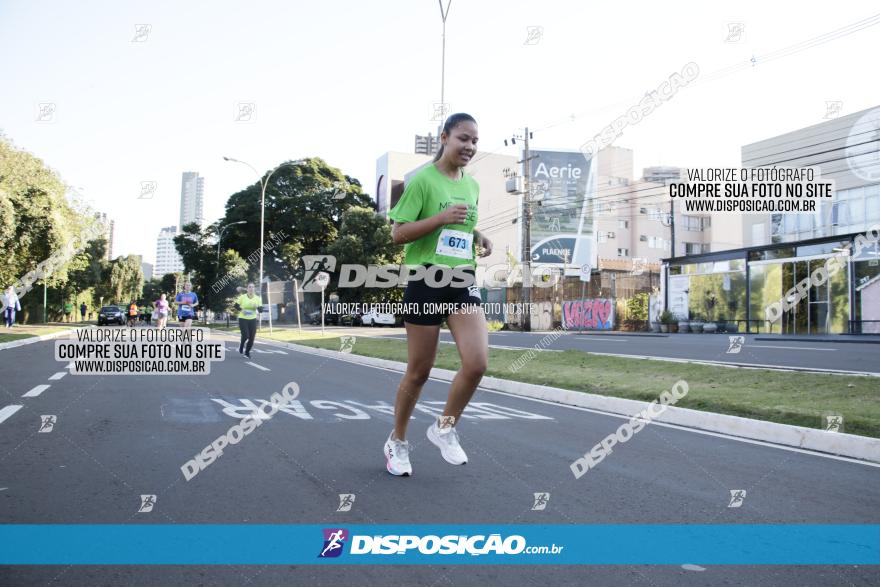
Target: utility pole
{"x": 672, "y": 227}
{"x": 526, "y": 244}
{"x": 527, "y": 238}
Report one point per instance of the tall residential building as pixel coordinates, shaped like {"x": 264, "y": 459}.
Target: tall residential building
{"x": 167, "y": 258}
{"x": 192, "y": 192}
{"x": 147, "y": 269}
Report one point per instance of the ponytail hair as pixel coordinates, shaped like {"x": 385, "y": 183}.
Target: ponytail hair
{"x": 451, "y": 123}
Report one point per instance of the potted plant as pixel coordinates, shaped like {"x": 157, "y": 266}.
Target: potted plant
{"x": 683, "y": 324}
{"x": 666, "y": 321}
{"x": 697, "y": 324}
{"x": 710, "y": 327}
{"x": 732, "y": 325}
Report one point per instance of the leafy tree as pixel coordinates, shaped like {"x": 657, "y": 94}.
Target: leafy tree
{"x": 365, "y": 239}
{"x": 41, "y": 228}
{"x": 305, "y": 201}
{"x": 126, "y": 279}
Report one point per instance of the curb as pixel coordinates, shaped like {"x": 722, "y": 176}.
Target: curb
{"x": 34, "y": 339}
{"x": 812, "y": 439}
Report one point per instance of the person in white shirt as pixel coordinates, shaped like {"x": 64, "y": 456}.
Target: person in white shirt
{"x": 11, "y": 305}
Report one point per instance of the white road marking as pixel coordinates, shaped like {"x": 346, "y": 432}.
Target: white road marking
{"x": 58, "y": 376}
{"x": 793, "y": 348}
{"x": 260, "y": 367}
{"x": 270, "y": 350}
{"x": 8, "y": 411}
{"x": 37, "y": 391}
{"x": 518, "y": 348}
{"x": 595, "y": 338}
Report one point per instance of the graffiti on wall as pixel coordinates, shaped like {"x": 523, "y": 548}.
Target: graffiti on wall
{"x": 597, "y": 314}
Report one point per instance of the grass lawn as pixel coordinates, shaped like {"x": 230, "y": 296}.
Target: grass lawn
{"x": 789, "y": 398}
{"x": 18, "y": 331}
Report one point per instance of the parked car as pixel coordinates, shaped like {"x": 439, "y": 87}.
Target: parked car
{"x": 374, "y": 318}
{"x": 110, "y": 315}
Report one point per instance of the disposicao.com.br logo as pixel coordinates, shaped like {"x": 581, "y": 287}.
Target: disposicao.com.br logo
{"x": 480, "y": 544}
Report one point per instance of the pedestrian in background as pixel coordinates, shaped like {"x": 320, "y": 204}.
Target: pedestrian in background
{"x": 162, "y": 310}
{"x": 12, "y": 305}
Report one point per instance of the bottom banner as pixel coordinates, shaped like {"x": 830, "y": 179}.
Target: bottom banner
{"x": 625, "y": 544}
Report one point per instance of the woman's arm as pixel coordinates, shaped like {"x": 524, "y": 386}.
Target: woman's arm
{"x": 410, "y": 231}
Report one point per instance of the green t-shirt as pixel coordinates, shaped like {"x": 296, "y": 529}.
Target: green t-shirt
{"x": 248, "y": 306}
{"x": 428, "y": 193}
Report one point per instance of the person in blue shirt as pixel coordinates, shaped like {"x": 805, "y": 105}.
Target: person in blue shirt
{"x": 186, "y": 305}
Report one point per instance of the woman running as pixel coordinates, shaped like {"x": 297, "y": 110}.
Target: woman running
{"x": 436, "y": 218}
{"x": 186, "y": 305}
{"x": 162, "y": 310}
{"x": 248, "y": 305}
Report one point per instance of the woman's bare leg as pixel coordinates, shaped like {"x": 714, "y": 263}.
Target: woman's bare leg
{"x": 421, "y": 344}
{"x": 471, "y": 336}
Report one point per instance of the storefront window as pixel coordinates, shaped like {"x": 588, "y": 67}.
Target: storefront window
{"x": 718, "y": 297}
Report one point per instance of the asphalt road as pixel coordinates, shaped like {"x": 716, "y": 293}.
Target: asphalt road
{"x": 118, "y": 437}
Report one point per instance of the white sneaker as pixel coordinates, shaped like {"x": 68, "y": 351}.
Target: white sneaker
{"x": 397, "y": 456}
{"x": 446, "y": 439}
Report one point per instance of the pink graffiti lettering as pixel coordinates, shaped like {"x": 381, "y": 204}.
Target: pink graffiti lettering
{"x": 588, "y": 314}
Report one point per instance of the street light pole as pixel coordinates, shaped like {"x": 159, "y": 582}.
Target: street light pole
{"x": 443, "y": 15}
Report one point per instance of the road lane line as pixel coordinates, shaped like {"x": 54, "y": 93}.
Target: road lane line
{"x": 58, "y": 376}
{"x": 257, "y": 366}
{"x": 8, "y": 411}
{"x": 792, "y": 348}
{"x": 37, "y": 391}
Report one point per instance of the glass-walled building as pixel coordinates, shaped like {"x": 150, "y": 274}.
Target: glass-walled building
{"x": 738, "y": 286}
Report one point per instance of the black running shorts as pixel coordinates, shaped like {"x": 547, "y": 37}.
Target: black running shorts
{"x": 432, "y": 305}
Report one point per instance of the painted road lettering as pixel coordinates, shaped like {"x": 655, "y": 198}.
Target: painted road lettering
{"x": 353, "y": 410}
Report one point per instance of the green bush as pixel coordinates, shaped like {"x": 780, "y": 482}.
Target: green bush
{"x": 637, "y": 307}
{"x": 495, "y": 325}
